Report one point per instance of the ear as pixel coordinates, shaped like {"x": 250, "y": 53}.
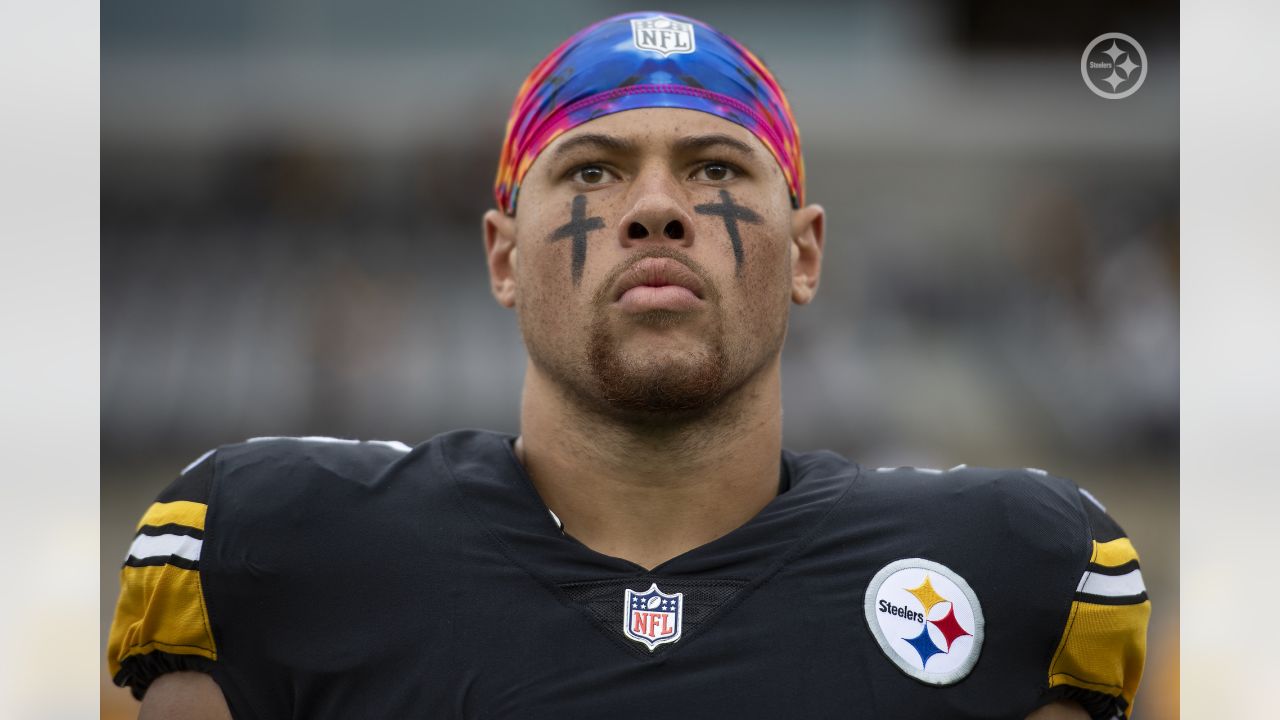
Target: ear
{"x": 500, "y": 253}
{"x": 807, "y": 225}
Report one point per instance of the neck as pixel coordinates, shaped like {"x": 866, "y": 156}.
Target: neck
{"x": 644, "y": 491}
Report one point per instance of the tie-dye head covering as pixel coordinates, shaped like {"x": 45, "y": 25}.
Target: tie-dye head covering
{"x": 644, "y": 60}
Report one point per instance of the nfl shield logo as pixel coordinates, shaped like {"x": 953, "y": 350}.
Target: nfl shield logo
{"x": 653, "y": 617}
{"x": 663, "y": 35}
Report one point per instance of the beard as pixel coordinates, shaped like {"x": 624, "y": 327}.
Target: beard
{"x": 658, "y": 386}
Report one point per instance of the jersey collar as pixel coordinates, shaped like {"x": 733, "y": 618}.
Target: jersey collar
{"x": 499, "y": 495}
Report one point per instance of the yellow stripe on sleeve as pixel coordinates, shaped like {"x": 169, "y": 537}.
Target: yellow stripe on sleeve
{"x": 1114, "y": 553}
{"x": 178, "y": 512}
{"x": 1103, "y": 649}
{"x": 161, "y": 607}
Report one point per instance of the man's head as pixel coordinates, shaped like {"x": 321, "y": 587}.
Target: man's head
{"x": 659, "y": 236}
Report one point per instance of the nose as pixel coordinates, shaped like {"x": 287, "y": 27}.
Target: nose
{"x": 657, "y": 215}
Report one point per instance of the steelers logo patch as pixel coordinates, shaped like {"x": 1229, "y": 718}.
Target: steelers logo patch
{"x": 927, "y": 620}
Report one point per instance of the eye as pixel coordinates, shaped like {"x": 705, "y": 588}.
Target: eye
{"x": 716, "y": 172}
{"x": 592, "y": 174}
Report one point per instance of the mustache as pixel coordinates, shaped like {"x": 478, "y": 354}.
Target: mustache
{"x": 604, "y": 296}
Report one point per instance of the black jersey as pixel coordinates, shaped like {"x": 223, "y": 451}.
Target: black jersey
{"x": 316, "y": 578}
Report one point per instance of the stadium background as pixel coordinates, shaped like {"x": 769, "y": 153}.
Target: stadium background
{"x": 291, "y": 195}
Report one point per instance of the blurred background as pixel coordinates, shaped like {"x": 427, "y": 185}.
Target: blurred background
{"x": 290, "y": 231}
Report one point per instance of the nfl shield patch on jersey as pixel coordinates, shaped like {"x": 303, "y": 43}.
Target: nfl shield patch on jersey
{"x": 927, "y": 620}
{"x": 653, "y": 617}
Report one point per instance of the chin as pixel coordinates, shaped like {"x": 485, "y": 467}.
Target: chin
{"x": 657, "y": 381}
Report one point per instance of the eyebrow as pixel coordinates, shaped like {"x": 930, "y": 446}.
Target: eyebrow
{"x": 704, "y": 142}
{"x": 598, "y": 141}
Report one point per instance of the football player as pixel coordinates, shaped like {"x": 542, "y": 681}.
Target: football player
{"x": 645, "y": 547}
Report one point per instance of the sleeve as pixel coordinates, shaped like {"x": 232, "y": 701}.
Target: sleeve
{"x": 161, "y": 624}
{"x": 1099, "y": 660}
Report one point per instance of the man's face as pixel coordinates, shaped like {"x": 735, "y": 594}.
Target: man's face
{"x": 653, "y": 261}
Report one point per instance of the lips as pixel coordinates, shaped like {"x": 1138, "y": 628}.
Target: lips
{"x": 662, "y": 274}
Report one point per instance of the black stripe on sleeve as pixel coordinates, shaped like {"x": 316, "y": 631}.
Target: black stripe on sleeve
{"x": 139, "y": 671}
{"x": 1100, "y": 706}
{"x": 154, "y": 560}
{"x": 171, "y": 529}
{"x": 1111, "y": 600}
{"x": 193, "y": 485}
{"x": 1097, "y": 569}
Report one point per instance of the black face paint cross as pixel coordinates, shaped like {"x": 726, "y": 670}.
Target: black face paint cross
{"x": 732, "y": 214}
{"x": 577, "y": 228}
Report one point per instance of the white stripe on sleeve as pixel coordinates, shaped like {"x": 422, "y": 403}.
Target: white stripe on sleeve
{"x": 1112, "y": 585}
{"x": 146, "y": 546}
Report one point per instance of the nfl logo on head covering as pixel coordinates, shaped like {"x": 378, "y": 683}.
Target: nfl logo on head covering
{"x": 663, "y": 35}
{"x": 653, "y": 617}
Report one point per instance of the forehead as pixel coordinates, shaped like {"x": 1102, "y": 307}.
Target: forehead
{"x": 658, "y": 130}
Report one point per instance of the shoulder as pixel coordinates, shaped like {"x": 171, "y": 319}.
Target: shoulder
{"x": 353, "y": 460}
{"x": 262, "y": 474}
{"x": 1015, "y": 483}
{"x": 259, "y": 476}
{"x": 1037, "y": 523}
{"x": 971, "y": 508}
{"x": 283, "y": 461}
{"x": 244, "y": 491}
{"x": 271, "y": 501}
{"x": 1025, "y": 502}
